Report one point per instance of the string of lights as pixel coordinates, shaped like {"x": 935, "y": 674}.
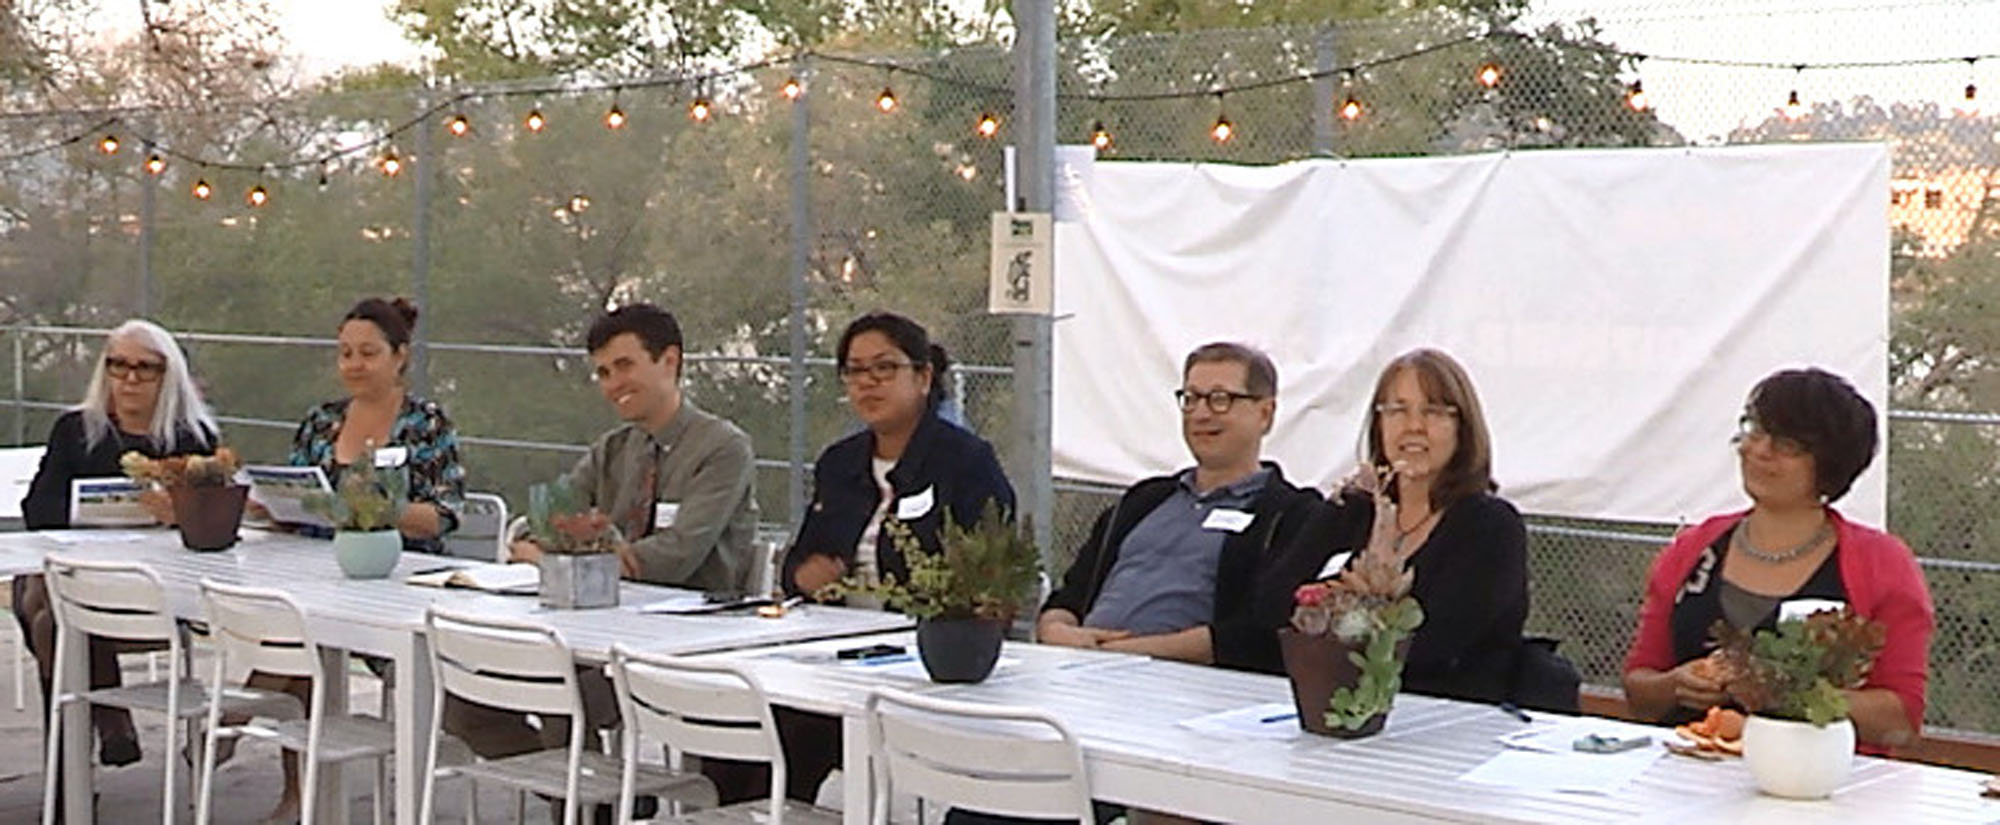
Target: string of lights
{"x": 702, "y": 107}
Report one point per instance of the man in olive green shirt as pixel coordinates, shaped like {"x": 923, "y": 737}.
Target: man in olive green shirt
{"x": 679, "y": 482}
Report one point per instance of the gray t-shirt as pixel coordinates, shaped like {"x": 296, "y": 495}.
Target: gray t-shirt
{"x": 1164, "y": 580}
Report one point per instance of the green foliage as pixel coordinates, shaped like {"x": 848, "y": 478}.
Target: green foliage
{"x": 366, "y": 499}
{"x": 1801, "y": 671}
{"x": 1381, "y": 669}
{"x": 561, "y": 521}
{"x": 987, "y": 572}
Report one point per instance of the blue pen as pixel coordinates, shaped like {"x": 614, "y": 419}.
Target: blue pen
{"x": 1278, "y": 718}
{"x": 1515, "y": 711}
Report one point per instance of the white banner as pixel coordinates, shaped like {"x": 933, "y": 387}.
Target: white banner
{"x": 1614, "y": 307}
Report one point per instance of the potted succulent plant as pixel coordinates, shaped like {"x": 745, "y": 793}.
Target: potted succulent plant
{"x": 579, "y": 562}
{"x": 364, "y": 508}
{"x": 1798, "y": 741}
{"x": 963, "y": 596}
{"x": 208, "y": 503}
{"x": 1349, "y": 638}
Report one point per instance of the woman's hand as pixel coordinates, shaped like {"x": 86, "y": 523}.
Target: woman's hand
{"x": 158, "y": 504}
{"x": 1696, "y": 685}
{"x": 817, "y": 571}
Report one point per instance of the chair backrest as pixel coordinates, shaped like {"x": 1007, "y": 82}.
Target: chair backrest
{"x": 258, "y": 628}
{"x": 482, "y": 529}
{"x": 18, "y": 466}
{"x": 999, "y": 760}
{"x": 509, "y": 664}
{"x": 705, "y": 708}
{"x": 117, "y": 600}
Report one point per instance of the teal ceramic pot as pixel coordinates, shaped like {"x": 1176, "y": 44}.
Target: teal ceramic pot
{"x": 367, "y": 554}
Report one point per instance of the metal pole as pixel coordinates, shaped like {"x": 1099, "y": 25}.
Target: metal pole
{"x": 20, "y": 395}
{"x": 1035, "y": 107}
{"x": 420, "y": 254}
{"x": 149, "y": 185}
{"x": 1324, "y": 86}
{"x": 795, "y": 484}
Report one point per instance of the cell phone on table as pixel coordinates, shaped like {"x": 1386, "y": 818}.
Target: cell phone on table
{"x": 869, "y": 652}
{"x": 1596, "y": 743}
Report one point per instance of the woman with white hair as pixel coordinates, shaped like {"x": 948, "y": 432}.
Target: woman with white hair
{"x": 141, "y": 398}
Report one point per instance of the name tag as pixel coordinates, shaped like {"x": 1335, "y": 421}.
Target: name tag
{"x": 1335, "y": 564}
{"x": 664, "y": 513}
{"x": 917, "y": 505}
{"x": 1801, "y": 608}
{"x": 391, "y": 456}
{"x": 1234, "y": 521}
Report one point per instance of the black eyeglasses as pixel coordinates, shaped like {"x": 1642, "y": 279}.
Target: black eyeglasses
{"x": 145, "y": 371}
{"x": 1219, "y": 401}
{"x": 879, "y": 371}
{"x": 1748, "y": 430}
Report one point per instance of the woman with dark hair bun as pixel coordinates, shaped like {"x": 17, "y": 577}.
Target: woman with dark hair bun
{"x": 1804, "y": 436}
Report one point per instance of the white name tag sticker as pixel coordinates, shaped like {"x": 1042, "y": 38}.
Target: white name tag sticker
{"x": 916, "y": 505}
{"x": 392, "y": 456}
{"x": 1335, "y": 564}
{"x": 1234, "y": 521}
{"x": 1801, "y": 608}
{"x": 664, "y": 513}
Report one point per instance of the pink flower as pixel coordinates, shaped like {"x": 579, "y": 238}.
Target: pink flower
{"x": 1309, "y": 595}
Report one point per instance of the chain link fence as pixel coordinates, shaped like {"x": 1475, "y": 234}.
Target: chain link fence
{"x": 528, "y": 231}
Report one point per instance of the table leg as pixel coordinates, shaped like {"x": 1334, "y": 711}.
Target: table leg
{"x": 330, "y": 803}
{"x": 78, "y": 771}
{"x": 413, "y": 722}
{"x": 857, "y": 792}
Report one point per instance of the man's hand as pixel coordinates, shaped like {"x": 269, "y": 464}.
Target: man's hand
{"x": 524, "y": 551}
{"x": 628, "y": 560}
{"x": 1194, "y": 644}
{"x": 817, "y": 571}
{"x": 1070, "y": 635}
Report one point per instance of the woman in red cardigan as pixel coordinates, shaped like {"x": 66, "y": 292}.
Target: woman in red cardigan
{"x": 1806, "y": 434}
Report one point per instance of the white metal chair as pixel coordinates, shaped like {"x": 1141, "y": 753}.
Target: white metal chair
{"x": 482, "y": 529}
{"x": 993, "y": 759}
{"x": 710, "y": 710}
{"x": 265, "y": 631}
{"x": 121, "y": 601}
{"x": 524, "y": 667}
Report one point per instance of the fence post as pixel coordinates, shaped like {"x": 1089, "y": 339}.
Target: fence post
{"x": 801, "y": 161}
{"x": 1035, "y": 101}
{"x": 420, "y": 251}
{"x": 20, "y": 395}
{"x": 1324, "y": 86}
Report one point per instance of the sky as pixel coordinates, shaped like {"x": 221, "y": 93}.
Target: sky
{"x": 1700, "y": 101}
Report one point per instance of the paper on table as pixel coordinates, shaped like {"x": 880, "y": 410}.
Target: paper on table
{"x": 96, "y": 536}
{"x": 282, "y": 490}
{"x": 520, "y": 579}
{"x": 908, "y": 666}
{"x": 1271, "y": 720}
{"x": 1561, "y": 736}
{"x": 1572, "y": 772}
{"x": 695, "y": 604}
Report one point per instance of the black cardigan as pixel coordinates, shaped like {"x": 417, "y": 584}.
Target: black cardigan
{"x": 1472, "y": 580}
{"x": 1243, "y": 632}
{"x": 958, "y": 468}
{"x": 70, "y": 456}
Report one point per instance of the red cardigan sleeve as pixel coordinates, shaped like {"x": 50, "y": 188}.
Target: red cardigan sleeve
{"x": 1653, "y": 640}
{"x": 1887, "y": 573}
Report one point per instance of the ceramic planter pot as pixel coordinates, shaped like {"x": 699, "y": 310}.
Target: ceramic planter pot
{"x": 1797, "y": 760}
{"x": 367, "y": 554}
{"x": 207, "y": 517}
{"x": 1318, "y": 666}
{"x": 579, "y": 581}
{"x": 960, "y": 650}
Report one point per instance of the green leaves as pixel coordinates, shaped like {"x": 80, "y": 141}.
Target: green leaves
{"x": 366, "y": 499}
{"x": 1802, "y": 671}
{"x": 987, "y": 572}
{"x": 1380, "y": 666}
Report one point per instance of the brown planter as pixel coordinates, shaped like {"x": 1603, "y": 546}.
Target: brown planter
{"x": 208, "y": 516}
{"x": 1318, "y": 665}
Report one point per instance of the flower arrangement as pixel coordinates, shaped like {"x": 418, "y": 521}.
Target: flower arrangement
{"x": 1801, "y": 671}
{"x": 988, "y": 571}
{"x": 1369, "y": 608}
{"x": 560, "y": 523}
{"x": 365, "y": 500}
{"x": 218, "y": 470}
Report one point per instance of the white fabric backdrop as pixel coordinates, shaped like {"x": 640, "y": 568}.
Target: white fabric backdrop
{"x": 1614, "y": 307}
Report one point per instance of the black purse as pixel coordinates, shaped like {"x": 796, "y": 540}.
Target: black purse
{"x": 1543, "y": 679}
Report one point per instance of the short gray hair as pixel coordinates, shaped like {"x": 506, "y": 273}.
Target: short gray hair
{"x": 1261, "y": 376}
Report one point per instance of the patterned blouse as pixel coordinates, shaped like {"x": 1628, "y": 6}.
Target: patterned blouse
{"x": 436, "y": 477}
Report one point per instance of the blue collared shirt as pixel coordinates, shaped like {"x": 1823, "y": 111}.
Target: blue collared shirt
{"x": 1164, "y": 580}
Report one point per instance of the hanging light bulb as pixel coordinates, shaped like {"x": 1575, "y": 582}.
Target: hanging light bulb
{"x": 1635, "y": 97}
{"x": 886, "y": 101}
{"x": 1223, "y": 130}
{"x": 1100, "y": 137}
{"x": 792, "y": 88}
{"x": 201, "y": 190}
{"x": 535, "y": 121}
{"x": 989, "y": 125}
{"x": 1970, "y": 105}
{"x": 108, "y": 144}
{"x": 391, "y": 165}
{"x": 579, "y": 202}
{"x": 614, "y": 118}
{"x": 155, "y": 164}
{"x": 322, "y": 176}
{"x": 458, "y": 125}
{"x": 700, "y": 110}
{"x": 257, "y": 196}
{"x": 1793, "y": 108}
{"x": 1489, "y": 75}
{"x": 1351, "y": 110}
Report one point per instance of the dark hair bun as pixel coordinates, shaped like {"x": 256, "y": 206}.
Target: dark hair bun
{"x": 406, "y": 308}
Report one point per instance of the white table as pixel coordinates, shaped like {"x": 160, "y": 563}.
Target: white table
{"x": 1126, "y": 714}
{"x": 384, "y": 617}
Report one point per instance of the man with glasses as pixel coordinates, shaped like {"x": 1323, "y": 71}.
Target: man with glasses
{"x": 679, "y": 482}
{"x": 1172, "y": 569}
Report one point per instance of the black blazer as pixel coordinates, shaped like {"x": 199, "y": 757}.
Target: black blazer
{"x": 69, "y": 457}
{"x": 1248, "y": 608}
{"x": 957, "y": 468}
{"x": 1472, "y": 580}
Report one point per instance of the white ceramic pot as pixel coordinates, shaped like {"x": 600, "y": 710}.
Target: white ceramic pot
{"x": 368, "y": 554}
{"x": 1797, "y": 760}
